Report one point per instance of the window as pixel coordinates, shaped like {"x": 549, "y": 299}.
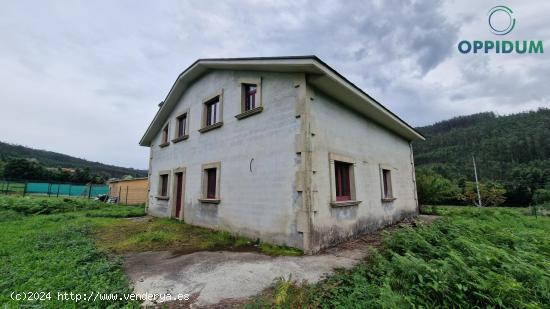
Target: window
{"x": 251, "y": 97}
{"x": 342, "y": 180}
{"x": 163, "y": 185}
{"x": 211, "y": 183}
{"x": 182, "y": 125}
{"x": 212, "y": 111}
{"x": 164, "y": 136}
{"x": 387, "y": 193}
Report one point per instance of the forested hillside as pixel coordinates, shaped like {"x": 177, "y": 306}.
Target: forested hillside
{"x": 511, "y": 151}
{"x": 27, "y": 163}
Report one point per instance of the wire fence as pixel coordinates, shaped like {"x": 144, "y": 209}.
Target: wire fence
{"x": 26, "y": 187}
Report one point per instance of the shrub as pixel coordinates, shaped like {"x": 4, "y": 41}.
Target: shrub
{"x": 434, "y": 188}
{"x": 492, "y": 193}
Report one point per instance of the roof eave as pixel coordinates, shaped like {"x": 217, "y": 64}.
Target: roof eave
{"x": 322, "y": 73}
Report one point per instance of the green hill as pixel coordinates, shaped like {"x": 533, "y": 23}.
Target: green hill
{"x": 51, "y": 161}
{"x": 512, "y": 150}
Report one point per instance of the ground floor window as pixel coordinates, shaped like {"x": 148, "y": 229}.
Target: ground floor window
{"x": 387, "y": 192}
{"x": 163, "y": 185}
{"x": 211, "y": 182}
{"x": 342, "y": 180}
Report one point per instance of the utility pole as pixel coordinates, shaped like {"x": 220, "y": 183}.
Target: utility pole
{"x": 477, "y": 183}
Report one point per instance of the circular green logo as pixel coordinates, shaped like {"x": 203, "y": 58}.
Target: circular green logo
{"x": 500, "y": 12}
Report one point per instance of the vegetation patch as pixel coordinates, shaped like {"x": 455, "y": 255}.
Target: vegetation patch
{"x": 155, "y": 234}
{"x": 472, "y": 257}
{"x": 51, "y": 254}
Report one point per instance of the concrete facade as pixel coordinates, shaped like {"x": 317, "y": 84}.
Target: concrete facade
{"x": 276, "y": 182}
{"x": 339, "y": 131}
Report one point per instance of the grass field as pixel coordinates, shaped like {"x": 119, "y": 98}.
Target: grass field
{"x": 71, "y": 245}
{"x": 471, "y": 257}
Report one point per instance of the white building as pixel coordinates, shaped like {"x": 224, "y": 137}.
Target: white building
{"x": 282, "y": 149}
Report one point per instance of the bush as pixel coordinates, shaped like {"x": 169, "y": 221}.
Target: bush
{"x": 471, "y": 258}
{"x": 541, "y": 196}
{"x": 46, "y": 205}
{"x": 492, "y": 193}
{"x": 434, "y": 188}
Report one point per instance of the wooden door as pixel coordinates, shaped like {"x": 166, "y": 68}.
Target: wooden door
{"x": 179, "y": 195}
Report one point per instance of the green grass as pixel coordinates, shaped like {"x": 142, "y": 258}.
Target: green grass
{"x": 12, "y": 187}
{"x": 471, "y": 257}
{"x": 71, "y": 245}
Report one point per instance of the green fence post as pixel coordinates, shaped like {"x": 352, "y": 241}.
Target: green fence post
{"x": 126, "y": 195}
{"x": 90, "y": 190}
{"x": 119, "y": 192}
{"x": 58, "y": 186}
{"x": 49, "y": 189}
{"x": 70, "y": 186}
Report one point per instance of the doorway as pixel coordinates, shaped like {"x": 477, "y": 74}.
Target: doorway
{"x": 179, "y": 191}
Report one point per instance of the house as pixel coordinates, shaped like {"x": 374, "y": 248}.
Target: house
{"x": 282, "y": 149}
{"x": 129, "y": 191}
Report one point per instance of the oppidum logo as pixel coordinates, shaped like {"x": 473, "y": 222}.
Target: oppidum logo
{"x": 501, "y": 22}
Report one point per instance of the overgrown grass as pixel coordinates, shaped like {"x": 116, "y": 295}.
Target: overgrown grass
{"x": 70, "y": 245}
{"x": 54, "y": 254}
{"x": 46, "y": 205}
{"x": 472, "y": 257}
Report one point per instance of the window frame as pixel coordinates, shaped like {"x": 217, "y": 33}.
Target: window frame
{"x": 336, "y": 201}
{"x": 384, "y": 172}
{"x": 342, "y": 183}
{"x": 178, "y": 137}
{"x": 160, "y": 190}
{"x": 165, "y": 135}
{"x": 205, "y": 103}
{"x": 258, "y": 106}
{"x": 205, "y": 181}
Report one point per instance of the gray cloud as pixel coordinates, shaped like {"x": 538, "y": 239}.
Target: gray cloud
{"x": 85, "y": 77}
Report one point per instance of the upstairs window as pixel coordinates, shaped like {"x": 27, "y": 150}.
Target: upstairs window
{"x": 249, "y": 96}
{"x": 387, "y": 192}
{"x": 342, "y": 180}
{"x": 212, "y": 111}
{"x": 182, "y": 125}
{"x": 165, "y": 136}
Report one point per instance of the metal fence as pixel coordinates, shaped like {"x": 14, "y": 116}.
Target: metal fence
{"x": 26, "y": 187}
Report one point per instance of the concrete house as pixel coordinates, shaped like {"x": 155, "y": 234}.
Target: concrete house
{"x": 283, "y": 149}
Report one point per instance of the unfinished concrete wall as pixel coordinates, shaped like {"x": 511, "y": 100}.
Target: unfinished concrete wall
{"x": 257, "y": 156}
{"x": 343, "y": 132}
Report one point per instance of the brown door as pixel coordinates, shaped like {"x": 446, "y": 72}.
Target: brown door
{"x": 179, "y": 194}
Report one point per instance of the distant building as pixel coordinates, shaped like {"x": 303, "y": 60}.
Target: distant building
{"x": 129, "y": 191}
{"x": 282, "y": 149}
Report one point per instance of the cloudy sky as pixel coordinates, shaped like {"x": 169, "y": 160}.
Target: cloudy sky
{"x": 85, "y": 77}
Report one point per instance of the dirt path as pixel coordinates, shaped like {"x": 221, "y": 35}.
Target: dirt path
{"x": 212, "y": 277}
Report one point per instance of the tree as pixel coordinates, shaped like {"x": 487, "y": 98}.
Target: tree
{"x": 541, "y": 196}
{"x": 17, "y": 168}
{"x": 434, "y": 188}
{"x": 492, "y": 193}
